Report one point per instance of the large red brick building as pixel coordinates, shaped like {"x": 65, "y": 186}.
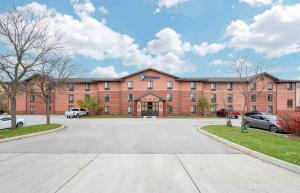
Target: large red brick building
{"x": 153, "y": 92}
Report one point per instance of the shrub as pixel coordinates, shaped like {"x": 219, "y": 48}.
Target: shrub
{"x": 290, "y": 121}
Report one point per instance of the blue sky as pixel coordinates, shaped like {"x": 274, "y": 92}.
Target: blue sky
{"x": 184, "y": 37}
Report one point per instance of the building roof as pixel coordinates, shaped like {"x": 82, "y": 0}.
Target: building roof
{"x": 203, "y": 79}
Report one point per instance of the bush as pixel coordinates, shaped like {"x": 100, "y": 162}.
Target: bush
{"x": 290, "y": 121}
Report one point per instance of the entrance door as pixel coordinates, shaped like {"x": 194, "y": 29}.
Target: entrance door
{"x": 150, "y": 108}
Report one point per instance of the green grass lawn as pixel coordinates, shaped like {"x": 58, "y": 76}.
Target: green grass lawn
{"x": 6, "y": 133}
{"x": 268, "y": 143}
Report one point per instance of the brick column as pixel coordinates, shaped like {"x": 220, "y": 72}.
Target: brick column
{"x": 138, "y": 108}
{"x": 161, "y": 108}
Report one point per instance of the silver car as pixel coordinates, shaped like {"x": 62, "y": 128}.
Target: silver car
{"x": 267, "y": 122}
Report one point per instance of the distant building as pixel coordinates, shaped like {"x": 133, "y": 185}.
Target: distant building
{"x": 153, "y": 92}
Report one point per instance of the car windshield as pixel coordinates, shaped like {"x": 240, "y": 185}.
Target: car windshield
{"x": 75, "y": 109}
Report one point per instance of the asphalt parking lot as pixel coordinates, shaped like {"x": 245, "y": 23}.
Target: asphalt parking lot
{"x": 134, "y": 155}
{"x": 130, "y": 136}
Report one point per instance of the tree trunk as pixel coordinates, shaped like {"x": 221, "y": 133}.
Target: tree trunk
{"x": 47, "y": 112}
{"x": 13, "y": 109}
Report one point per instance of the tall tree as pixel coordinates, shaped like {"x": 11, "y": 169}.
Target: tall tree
{"x": 250, "y": 76}
{"x": 51, "y": 79}
{"x": 203, "y": 104}
{"x": 26, "y": 43}
{"x": 89, "y": 103}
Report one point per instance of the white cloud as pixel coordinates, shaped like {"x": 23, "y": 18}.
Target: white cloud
{"x": 168, "y": 40}
{"x": 107, "y": 72}
{"x": 83, "y": 7}
{"x": 219, "y": 62}
{"x": 273, "y": 33}
{"x": 103, "y": 10}
{"x": 87, "y": 36}
{"x": 257, "y": 2}
{"x": 167, "y": 4}
{"x": 205, "y": 48}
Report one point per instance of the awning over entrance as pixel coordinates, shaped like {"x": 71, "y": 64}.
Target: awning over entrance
{"x": 150, "y": 105}
{"x": 150, "y": 97}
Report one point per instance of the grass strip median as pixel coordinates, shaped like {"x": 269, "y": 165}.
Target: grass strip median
{"x": 274, "y": 145}
{"x": 7, "y": 133}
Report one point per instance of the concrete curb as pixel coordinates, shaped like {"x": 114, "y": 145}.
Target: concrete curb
{"x": 31, "y": 135}
{"x": 261, "y": 156}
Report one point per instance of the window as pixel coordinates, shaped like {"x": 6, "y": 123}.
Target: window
{"x": 48, "y": 98}
{"x": 130, "y": 109}
{"x": 229, "y": 86}
{"x": 193, "y": 109}
{"x": 71, "y": 87}
{"x": 130, "y": 97}
{"x": 229, "y": 98}
{"x": 106, "y": 97}
{"x": 290, "y": 103}
{"x": 213, "y": 98}
{"x": 289, "y": 86}
{"x": 270, "y": 86}
{"x": 71, "y": 107}
{"x": 213, "y": 109}
{"x": 253, "y": 86}
{"x": 71, "y": 98}
{"x": 213, "y": 86}
{"x": 130, "y": 84}
{"x": 32, "y": 87}
{"x": 230, "y": 108}
{"x": 253, "y": 98}
{"x": 150, "y": 84}
{"x": 106, "y": 110}
{"x": 169, "y": 97}
{"x": 253, "y": 107}
{"x": 87, "y": 86}
{"x": 106, "y": 85}
{"x": 32, "y": 109}
{"x": 32, "y": 98}
{"x": 193, "y": 85}
{"x": 193, "y": 97}
{"x": 270, "y": 109}
{"x": 170, "y": 109}
{"x": 270, "y": 98}
{"x": 170, "y": 84}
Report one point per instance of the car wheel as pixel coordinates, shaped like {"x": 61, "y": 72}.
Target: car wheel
{"x": 248, "y": 124}
{"x": 77, "y": 115}
{"x": 19, "y": 124}
{"x": 273, "y": 129}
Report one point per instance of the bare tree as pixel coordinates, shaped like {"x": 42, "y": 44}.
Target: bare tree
{"x": 27, "y": 42}
{"x": 51, "y": 79}
{"x": 227, "y": 113}
{"x": 249, "y": 76}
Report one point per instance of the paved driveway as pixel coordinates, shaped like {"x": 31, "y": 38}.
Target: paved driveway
{"x": 134, "y": 156}
{"x": 121, "y": 136}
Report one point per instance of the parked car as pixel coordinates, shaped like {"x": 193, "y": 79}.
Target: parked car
{"x": 253, "y": 113}
{"x": 76, "y": 112}
{"x": 5, "y": 122}
{"x": 232, "y": 114}
{"x": 266, "y": 122}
